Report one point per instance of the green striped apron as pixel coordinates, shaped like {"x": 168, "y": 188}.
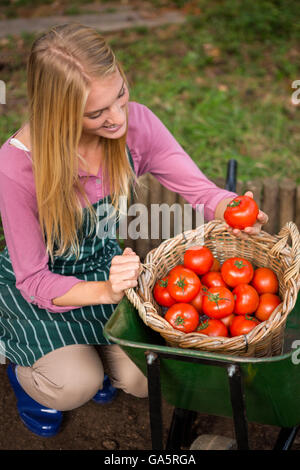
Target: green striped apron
{"x": 28, "y": 332}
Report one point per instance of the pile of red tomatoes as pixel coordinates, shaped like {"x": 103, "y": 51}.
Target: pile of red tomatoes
{"x": 203, "y": 296}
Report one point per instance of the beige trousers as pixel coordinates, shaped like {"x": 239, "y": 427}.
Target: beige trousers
{"x": 70, "y": 376}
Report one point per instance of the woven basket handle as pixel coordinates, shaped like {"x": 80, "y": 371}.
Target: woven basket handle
{"x": 289, "y": 230}
{"x": 135, "y": 299}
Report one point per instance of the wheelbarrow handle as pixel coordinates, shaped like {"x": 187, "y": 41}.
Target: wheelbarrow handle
{"x": 231, "y": 175}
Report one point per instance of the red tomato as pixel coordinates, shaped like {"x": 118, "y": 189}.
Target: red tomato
{"x": 237, "y": 271}
{"x": 197, "y": 301}
{"x": 246, "y": 299}
{"x": 228, "y": 320}
{"x": 267, "y": 303}
{"x": 265, "y": 281}
{"x": 161, "y": 293}
{"x": 183, "y": 317}
{"x": 241, "y": 212}
{"x": 199, "y": 259}
{"x": 241, "y": 325}
{"x": 183, "y": 284}
{"x": 213, "y": 279}
{"x": 217, "y": 302}
{"x": 216, "y": 265}
{"x": 212, "y": 327}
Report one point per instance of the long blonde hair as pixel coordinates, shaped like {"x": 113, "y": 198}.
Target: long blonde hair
{"x": 60, "y": 67}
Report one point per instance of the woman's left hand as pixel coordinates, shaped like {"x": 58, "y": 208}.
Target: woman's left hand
{"x": 261, "y": 220}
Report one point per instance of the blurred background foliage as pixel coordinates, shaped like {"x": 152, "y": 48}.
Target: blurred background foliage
{"x": 221, "y": 82}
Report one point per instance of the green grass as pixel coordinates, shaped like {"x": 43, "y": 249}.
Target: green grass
{"x": 221, "y": 83}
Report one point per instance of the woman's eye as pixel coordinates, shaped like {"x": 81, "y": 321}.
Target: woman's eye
{"x": 99, "y": 114}
{"x": 122, "y": 93}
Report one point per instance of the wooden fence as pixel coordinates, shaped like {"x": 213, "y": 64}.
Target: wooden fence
{"x": 279, "y": 199}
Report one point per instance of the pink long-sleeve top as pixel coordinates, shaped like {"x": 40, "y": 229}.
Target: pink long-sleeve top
{"x": 153, "y": 149}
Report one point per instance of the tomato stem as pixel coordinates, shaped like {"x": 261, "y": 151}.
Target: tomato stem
{"x": 179, "y": 321}
{"x": 234, "y": 203}
{"x": 181, "y": 283}
{"x": 249, "y": 317}
{"x": 215, "y": 298}
{"x": 163, "y": 283}
{"x": 239, "y": 264}
{"x": 203, "y": 325}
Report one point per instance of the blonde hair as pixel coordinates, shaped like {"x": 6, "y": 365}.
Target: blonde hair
{"x": 61, "y": 65}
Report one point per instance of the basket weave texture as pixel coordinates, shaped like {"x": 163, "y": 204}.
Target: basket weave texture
{"x": 262, "y": 250}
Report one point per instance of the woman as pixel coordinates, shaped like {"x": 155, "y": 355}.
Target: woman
{"x": 84, "y": 143}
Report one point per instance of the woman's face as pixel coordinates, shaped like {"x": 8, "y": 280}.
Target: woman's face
{"x": 106, "y": 106}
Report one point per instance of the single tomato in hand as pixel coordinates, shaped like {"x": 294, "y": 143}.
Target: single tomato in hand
{"x": 242, "y": 324}
{"x": 241, "y": 212}
{"x": 236, "y": 271}
{"x": 213, "y": 279}
{"x": 161, "y": 293}
{"x": 199, "y": 259}
{"x": 267, "y": 304}
{"x": 246, "y": 299}
{"x": 217, "y": 302}
{"x": 183, "y": 317}
{"x": 212, "y": 327}
{"x": 265, "y": 281}
{"x": 183, "y": 284}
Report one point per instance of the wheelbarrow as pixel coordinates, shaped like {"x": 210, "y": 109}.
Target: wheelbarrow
{"x": 247, "y": 389}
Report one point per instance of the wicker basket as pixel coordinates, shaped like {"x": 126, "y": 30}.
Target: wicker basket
{"x": 262, "y": 250}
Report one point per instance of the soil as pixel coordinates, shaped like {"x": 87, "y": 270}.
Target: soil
{"x": 120, "y": 425}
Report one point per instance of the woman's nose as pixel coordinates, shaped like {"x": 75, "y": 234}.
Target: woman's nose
{"x": 117, "y": 115}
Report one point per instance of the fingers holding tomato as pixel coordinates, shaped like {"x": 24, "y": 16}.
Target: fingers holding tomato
{"x": 243, "y": 216}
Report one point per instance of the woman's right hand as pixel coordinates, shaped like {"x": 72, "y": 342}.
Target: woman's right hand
{"x": 123, "y": 274}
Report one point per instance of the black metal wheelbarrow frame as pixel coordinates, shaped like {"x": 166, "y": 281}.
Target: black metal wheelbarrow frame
{"x": 261, "y": 390}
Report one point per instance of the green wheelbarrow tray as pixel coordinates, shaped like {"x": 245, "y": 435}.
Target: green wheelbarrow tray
{"x": 271, "y": 385}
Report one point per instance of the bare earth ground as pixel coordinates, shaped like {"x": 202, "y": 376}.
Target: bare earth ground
{"x": 120, "y": 425}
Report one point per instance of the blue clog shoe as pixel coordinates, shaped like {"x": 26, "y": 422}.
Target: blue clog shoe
{"x": 37, "y": 418}
{"x": 107, "y": 393}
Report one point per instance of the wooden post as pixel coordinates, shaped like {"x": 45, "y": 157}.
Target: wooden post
{"x": 256, "y": 187}
{"x": 270, "y": 205}
{"x": 170, "y": 198}
{"x": 180, "y": 200}
{"x": 155, "y": 197}
{"x": 140, "y": 245}
{"x": 240, "y": 187}
{"x": 287, "y": 196}
{"x": 220, "y": 182}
